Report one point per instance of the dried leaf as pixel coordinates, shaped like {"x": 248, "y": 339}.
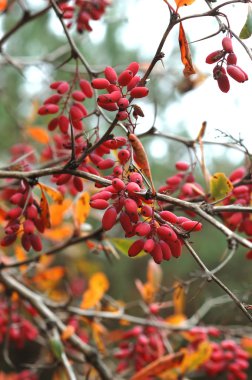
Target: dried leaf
{"x": 220, "y": 186}
{"x": 68, "y": 332}
{"x": 38, "y": 134}
{"x": 81, "y": 209}
{"x": 44, "y": 207}
{"x": 97, "y": 286}
{"x": 57, "y": 212}
{"x": 149, "y": 290}
{"x": 59, "y": 233}
{"x": 180, "y": 3}
{"x": 55, "y": 194}
{"x": 3, "y": 5}
{"x": 158, "y": 366}
{"x": 185, "y": 53}
{"x": 194, "y": 359}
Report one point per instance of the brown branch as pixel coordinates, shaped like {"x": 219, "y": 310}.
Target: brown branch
{"x": 27, "y": 17}
{"x": 211, "y": 277}
{"x": 36, "y": 300}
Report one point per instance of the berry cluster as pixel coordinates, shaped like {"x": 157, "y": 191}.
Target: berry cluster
{"x": 158, "y": 231}
{"x": 140, "y": 346}
{"x": 227, "y": 357}
{"x": 24, "y": 218}
{"x": 119, "y": 89}
{"x": 68, "y": 103}
{"x": 86, "y": 11}
{"x": 19, "y": 329}
{"x": 228, "y": 57}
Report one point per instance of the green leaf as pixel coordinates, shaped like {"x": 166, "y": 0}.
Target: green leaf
{"x": 123, "y": 245}
{"x": 246, "y": 31}
{"x": 220, "y": 186}
{"x": 56, "y": 347}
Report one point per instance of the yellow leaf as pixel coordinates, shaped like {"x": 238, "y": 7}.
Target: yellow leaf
{"x": 158, "y": 366}
{"x": 57, "y": 212}
{"x": 149, "y": 290}
{"x": 59, "y": 233}
{"x": 176, "y": 319}
{"x": 194, "y": 359}
{"x": 99, "y": 332}
{"x": 220, "y": 186}
{"x": 246, "y": 344}
{"x": 97, "y": 286}
{"x": 48, "y": 279}
{"x": 55, "y": 194}
{"x": 21, "y": 256}
{"x": 38, "y": 134}
{"x": 44, "y": 207}
{"x": 81, "y": 209}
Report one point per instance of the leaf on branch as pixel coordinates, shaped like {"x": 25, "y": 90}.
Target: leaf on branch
{"x": 81, "y": 209}
{"x": 193, "y": 360}
{"x": 220, "y": 186}
{"x": 123, "y": 245}
{"x": 185, "y": 53}
{"x": 44, "y": 207}
{"x": 38, "y": 134}
{"x": 97, "y": 286}
{"x": 3, "y": 5}
{"x": 246, "y": 31}
{"x": 60, "y": 233}
{"x": 149, "y": 289}
{"x": 180, "y": 3}
{"x": 158, "y": 366}
{"x": 55, "y": 194}
{"x": 179, "y": 304}
{"x": 57, "y": 211}
{"x": 48, "y": 279}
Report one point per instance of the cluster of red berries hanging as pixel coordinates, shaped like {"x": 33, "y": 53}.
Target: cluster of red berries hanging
{"x": 119, "y": 89}
{"x": 24, "y": 219}
{"x": 19, "y": 329}
{"x": 83, "y": 11}
{"x": 227, "y": 358}
{"x": 139, "y": 346}
{"x": 227, "y": 57}
{"x": 67, "y": 103}
{"x": 137, "y": 217}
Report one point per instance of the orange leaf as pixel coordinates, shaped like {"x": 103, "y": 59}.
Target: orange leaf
{"x": 149, "y": 290}
{"x": 158, "y": 366}
{"x": 180, "y": 3}
{"x": 49, "y": 278}
{"x": 81, "y": 209}
{"x": 38, "y": 134}
{"x": 55, "y": 194}
{"x": 185, "y": 53}
{"x": 21, "y": 256}
{"x": 68, "y": 332}
{"x": 59, "y": 233}
{"x": 44, "y": 207}
{"x": 3, "y": 5}
{"x": 97, "y": 286}
{"x": 194, "y": 359}
{"x": 57, "y": 212}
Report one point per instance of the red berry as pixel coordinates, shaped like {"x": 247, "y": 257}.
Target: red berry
{"x": 99, "y": 204}
{"x": 26, "y": 242}
{"x": 227, "y": 44}
{"x": 142, "y": 229}
{"x": 36, "y": 242}
{"x": 86, "y": 88}
{"x": 223, "y": 83}
{"x": 118, "y": 184}
{"x": 29, "y": 226}
{"x": 63, "y": 178}
{"x": 215, "y": 56}
{"x": 139, "y": 92}
{"x": 109, "y": 218}
{"x": 63, "y": 123}
{"x": 125, "y": 77}
{"x": 54, "y": 99}
{"x": 63, "y": 87}
{"x": 126, "y": 222}
{"x": 136, "y": 248}
{"x": 191, "y": 225}
{"x": 133, "y": 83}
{"x": 231, "y": 59}
{"x": 78, "y": 95}
{"x": 123, "y": 156}
{"x": 106, "y": 195}
{"x": 134, "y": 67}
{"x": 106, "y": 164}
{"x": 100, "y": 83}
{"x": 157, "y": 253}
{"x": 14, "y": 213}
{"x": 130, "y": 206}
{"x": 110, "y": 74}
{"x": 236, "y": 73}
{"x": 182, "y": 166}
{"x": 149, "y": 245}
{"x": 78, "y": 184}
{"x": 169, "y": 216}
